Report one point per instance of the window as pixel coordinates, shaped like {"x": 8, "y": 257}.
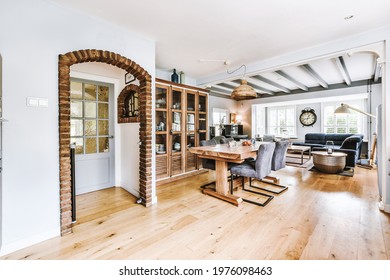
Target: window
{"x": 89, "y": 117}
{"x": 281, "y": 121}
{"x": 340, "y": 123}
{"x": 259, "y": 121}
{"x": 219, "y": 116}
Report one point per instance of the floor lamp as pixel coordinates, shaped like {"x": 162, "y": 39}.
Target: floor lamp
{"x": 346, "y": 109}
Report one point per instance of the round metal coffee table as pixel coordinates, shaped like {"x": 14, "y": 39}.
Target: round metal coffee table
{"x": 329, "y": 163}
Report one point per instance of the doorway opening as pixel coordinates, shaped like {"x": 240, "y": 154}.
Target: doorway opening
{"x": 145, "y": 126}
{"x": 92, "y": 134}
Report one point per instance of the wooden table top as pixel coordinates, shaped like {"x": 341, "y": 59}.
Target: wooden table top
{"x": 223, "y": 152}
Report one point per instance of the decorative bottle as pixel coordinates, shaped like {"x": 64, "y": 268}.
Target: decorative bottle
{"x": 182, "y": 78}
{"x": 175, "y": 77}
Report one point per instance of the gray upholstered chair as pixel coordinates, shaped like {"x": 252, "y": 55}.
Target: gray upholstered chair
{"x": 278, "y": 162}
{"x": 257, "y": 169}
{"x": 268, "y": 138}
{"x": 219, "y": 139}
{"x": 279, "y": 157}
{"x": 226, "y": 140}
{"x": 208, "y": 163}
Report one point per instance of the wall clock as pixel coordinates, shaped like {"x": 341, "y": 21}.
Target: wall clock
{"x": 308, "y": 117}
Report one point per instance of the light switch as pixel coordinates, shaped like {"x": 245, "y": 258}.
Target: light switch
{"x": 37, "y": 102}
{"x": 43, "y": 102}
{"x": 32, "y": 102}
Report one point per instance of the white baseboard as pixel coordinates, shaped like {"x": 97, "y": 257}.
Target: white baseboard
{"x": 384, "y": 207}
{"x": 136, "y": 193}
{"x": 20, "y": 244}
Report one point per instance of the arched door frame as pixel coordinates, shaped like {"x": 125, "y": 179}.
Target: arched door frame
{"x": 145, "y": 131}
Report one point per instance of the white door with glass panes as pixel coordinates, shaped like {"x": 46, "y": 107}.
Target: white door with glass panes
{"x": 92, "y": 130}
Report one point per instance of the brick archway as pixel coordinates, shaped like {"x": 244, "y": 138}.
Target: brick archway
{"x": 145, "y": 132}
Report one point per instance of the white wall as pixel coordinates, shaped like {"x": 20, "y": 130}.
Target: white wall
{"x": 31, "y": 38}
{"x": 221, "y": 103}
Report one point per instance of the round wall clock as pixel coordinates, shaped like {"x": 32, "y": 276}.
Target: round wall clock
{"x": 308, "y": 117}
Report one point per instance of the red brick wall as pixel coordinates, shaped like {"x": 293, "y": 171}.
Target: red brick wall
{"x": 145, "y": 119}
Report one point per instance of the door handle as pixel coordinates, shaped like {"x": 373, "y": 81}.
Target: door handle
{"x": 111, "y": 136}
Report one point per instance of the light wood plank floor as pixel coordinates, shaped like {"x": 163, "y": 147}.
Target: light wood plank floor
{"x": 320, "y": 216}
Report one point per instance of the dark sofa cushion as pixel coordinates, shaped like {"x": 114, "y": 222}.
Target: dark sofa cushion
{"x": 315, "y": 138}
{"x": 336, "y": 138}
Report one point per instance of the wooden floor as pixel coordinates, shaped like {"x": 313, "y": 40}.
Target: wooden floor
{"x": 320, "y": 216}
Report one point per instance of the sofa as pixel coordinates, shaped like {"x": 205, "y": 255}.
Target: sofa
{"x": 350, "y": 144}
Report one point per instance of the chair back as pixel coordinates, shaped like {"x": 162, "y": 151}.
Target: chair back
{"x": 219, "y": 139}
{"x": 268, "y": 138}
{"x": 208, "y": 163}
{"x": 210, "y": 142}
{"x": 264, "y": 160}
{"x": 279, "y": 156}
{"x": 226, "y": 140}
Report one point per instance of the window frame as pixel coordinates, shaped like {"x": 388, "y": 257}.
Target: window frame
{"x": 277, "y": 109}
{"x": 361, "y": 118}
{"x": 220, "y": 111}
{"x": 85, "y": 118}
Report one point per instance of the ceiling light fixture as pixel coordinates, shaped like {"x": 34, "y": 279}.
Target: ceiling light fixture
{"x": 243, "y": 91}
{"x": 225, "y": 62}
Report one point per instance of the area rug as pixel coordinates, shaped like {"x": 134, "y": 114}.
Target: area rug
{"x": 348, "y": 171}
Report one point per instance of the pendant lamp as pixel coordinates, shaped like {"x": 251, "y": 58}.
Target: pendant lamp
{"x": 243, "y": 91}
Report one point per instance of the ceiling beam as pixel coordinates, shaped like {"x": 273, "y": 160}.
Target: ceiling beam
{"x": 320, "y": 88}
{"x": 217, "y": 94}
{"x": 291, "y": 79}
{"x": 315, "y": 75}
{"x": 225, "y": 85}
{"x": 256, "y": 87}
{"x": 272, "y": 83}
{"x": 377, "y": 71}
{"x": 343, "y": 69}
{"x": 220, "y": 90}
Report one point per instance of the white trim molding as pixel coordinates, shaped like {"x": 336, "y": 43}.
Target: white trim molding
{"x": 23, "y": 243}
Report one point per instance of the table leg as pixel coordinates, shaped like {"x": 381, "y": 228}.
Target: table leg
{"x": 222, "y": 184}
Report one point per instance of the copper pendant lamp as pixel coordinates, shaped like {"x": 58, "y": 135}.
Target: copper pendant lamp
{"x": 243, "y": 91}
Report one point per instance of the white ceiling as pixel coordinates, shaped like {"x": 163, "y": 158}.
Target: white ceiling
{"x": 242, "y": 31}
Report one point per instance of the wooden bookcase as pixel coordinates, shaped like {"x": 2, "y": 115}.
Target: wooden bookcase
{"x": 181, "y": 123}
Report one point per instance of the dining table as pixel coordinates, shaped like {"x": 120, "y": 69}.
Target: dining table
{"x": 222, "y": 154}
